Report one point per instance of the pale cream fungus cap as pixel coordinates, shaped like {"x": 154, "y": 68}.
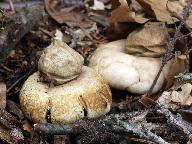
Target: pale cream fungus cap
{"x": 132, "y": 64}
{"x": 75, "y": 94}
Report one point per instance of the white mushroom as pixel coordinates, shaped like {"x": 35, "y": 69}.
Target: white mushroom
{"x": 134, "y": 73}
{"x": 86, "y": 94}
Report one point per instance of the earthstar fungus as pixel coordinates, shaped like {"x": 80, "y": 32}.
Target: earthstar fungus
{"x": 132, "y": 64}
{"x": 78, "y": 90}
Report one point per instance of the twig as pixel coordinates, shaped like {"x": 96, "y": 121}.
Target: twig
{"x": 133, "y": 117}
{"x": 145, "y": 133}
{"x": 15, "y": 83}
{"x": 21, "y": 78}
{"x": 176, "y": 120}
{"x": 11, "y": 6}
{"x": 101, "y": 129}
{"x": 57, "y": 129}
{"x": 155, "y": 80}
{"x": 175, "y": 15}
{"x": 46, "y": 32}
{"x": 6, "y": 68}
{"x": 184, "y": 111}
{"x": 185, "y": 35}
{"x": 170, "y": 46}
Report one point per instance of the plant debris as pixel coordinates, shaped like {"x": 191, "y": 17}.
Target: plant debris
{"x": 3, "y": 90}
{"x": 154, "y": 29}
{"x": 177, "y": 99}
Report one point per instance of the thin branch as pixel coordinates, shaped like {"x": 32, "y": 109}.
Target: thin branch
{"x": 155, "y": 80}
{"x": 170, "y": 46}
{"x": 102, "y": 128}
{"x": 12, "y": 6}
{"x": 176, "y": 120}
{"x": 145, "y": 133}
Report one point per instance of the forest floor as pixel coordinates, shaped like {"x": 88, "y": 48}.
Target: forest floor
{"x": 26, "y": 28}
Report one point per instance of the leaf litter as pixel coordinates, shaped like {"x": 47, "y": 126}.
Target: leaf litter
{"x": 86, "y": 25}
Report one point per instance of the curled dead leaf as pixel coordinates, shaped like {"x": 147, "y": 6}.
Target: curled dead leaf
{"x": 147, "y": 101}
{"x": 160, "y": 11}
{"x": 176, "y": 99}
{"x": 149, "y": 41}
{"x": 178, "y": 65}
{"x": 141, "y": 11}
{"x": 124, "y": 14}
{"x": 68, "y": 15}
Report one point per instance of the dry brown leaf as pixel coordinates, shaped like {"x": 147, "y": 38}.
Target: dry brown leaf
{"x": 176, "y": 99}
{"x": 5, "y": 135}
{"x": 7, "y": 119}
{"x": 118, "y": 31}
{"x": 178, "y": 65}
{"x": 159, "y": 8}
{"x": 146, "y": 101}
{"x": 149, "y": 41}
{"x": 27, "y": 126}
{"x": 3, "y": 90}
{"x": 67, "y": 15}
{"x": 124, "y": 14}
